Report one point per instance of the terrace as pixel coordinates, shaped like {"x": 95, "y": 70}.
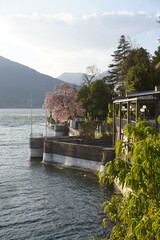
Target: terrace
{"x": 127, "y": 109}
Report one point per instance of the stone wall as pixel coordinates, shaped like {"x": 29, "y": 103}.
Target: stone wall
{"x": 77, "y": 155}
{"x": 36, "y": 147}
{"x": 74, "y": 150}
{"x": 79, "y": 150}
{"x": 36, "y": 143}
{"x": 87, "y": 140}
{"x": 82, "y": 152}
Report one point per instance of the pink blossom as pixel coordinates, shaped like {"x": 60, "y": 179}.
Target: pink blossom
{"x": 62, "y": 103}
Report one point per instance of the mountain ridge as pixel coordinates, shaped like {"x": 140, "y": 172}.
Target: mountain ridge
{"x": 74, "y": 78}
{"x": 77, "y": 78}
{"x": 18, "y": 82}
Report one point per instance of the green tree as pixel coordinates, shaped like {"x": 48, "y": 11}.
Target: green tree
{"x": 95, "y": 98}
{"x": 156, "y": 57}
{"x": 137, "y": 213}
{"x": 83, "y": 97}
{"x": 140, "y": 73}
{"x": 116, "y": 74}
{"x": 138, "y": 79}
{"x": 101, "y": 96}
{"x": 156, "y": 67}
{"x": 138, "y": 56}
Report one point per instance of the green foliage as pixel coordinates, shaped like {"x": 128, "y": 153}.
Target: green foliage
{"x": 139, "y": 70}
{"x": 133, "y": 70}
{"x": 95, "y": 98}
{"x": 83, "y": 97}
{"x": 156, "y": 66}
{"x": 109, "y": 118}
{"x": 156, "y": 57}
{"x": 137, "y": 167}
{"x": 142, "y": 71}
{"x": 137, "y": 57}
{"x": 93, "y": 128}
{"x": 116, "y": 73}
{"x": 87, "y": 128}
{"x": 138, "y": 79}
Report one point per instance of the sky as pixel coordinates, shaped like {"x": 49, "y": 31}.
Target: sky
{"x": 57, "y": 36}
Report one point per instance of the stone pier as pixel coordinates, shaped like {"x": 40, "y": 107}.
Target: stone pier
{"x": 80, "y": 152}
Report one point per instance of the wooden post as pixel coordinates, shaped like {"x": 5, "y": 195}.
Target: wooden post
{"x": 114, "y": 124}
{"x": 157, "y": 110}
{"x": 128, "y": 112}
{"x": 137, "y": 110}
{"x": 120, "y": 121}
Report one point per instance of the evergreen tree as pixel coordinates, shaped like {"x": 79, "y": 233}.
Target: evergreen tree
{"x": 116, "y": 74}
{"x": 156, "y": 57}
{"x": 156, "y": 67}
{"x": 138, "y": 79}
{"x": 140, "y": 73}
{"x": 139, "y": 57}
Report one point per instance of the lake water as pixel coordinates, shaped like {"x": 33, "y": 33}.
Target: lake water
{"x": 39, "y": 202}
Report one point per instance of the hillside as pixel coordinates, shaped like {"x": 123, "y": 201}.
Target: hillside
{"x": 19, "y": 82}
{"x": 74, "y": 78}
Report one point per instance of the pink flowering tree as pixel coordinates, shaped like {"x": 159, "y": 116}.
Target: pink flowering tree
{"x": 62, "y": 103}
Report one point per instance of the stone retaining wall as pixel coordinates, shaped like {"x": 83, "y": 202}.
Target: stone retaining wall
{"x": 81, "y": 152}
{"x": 77, "y": 155}
{"x": 74, "y": 150}
{"x": 36, "y": 147}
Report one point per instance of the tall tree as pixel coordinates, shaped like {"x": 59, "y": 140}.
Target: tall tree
{"x": 83, "y": 94}
{"x": 116, "y": 74}
{"x": 101, "y": 96}
{"x": 138, "y": 56}
{"x": 156, "y": 67}
{"x": 140, "y": 71}
{"x": 156, "y": 57}
{"x": 138, "y": 79}
{"x": 62, "y": 103}
{"x": 95, "y": 99}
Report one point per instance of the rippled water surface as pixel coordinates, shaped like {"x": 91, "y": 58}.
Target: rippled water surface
{"x": 43, "y": 202}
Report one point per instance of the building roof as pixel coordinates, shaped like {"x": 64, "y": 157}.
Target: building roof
{"x": 137, "y": 95}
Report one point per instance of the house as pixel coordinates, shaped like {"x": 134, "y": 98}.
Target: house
{"x": 127, "y": 109}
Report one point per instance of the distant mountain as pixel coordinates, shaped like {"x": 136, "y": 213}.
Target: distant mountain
{"x": 73, "y": 78}
{"x": 76, "y": 78}
{"x": 102, "y": 75}
{"x": 19, "y": 82}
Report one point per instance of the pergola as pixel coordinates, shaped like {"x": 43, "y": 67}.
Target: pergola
{"x": 127, "y": 109}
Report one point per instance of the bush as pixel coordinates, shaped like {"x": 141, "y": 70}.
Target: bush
{"x": 137, "y": 167}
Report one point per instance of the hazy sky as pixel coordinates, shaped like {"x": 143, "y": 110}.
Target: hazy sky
{"x": 56, "y": 36}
